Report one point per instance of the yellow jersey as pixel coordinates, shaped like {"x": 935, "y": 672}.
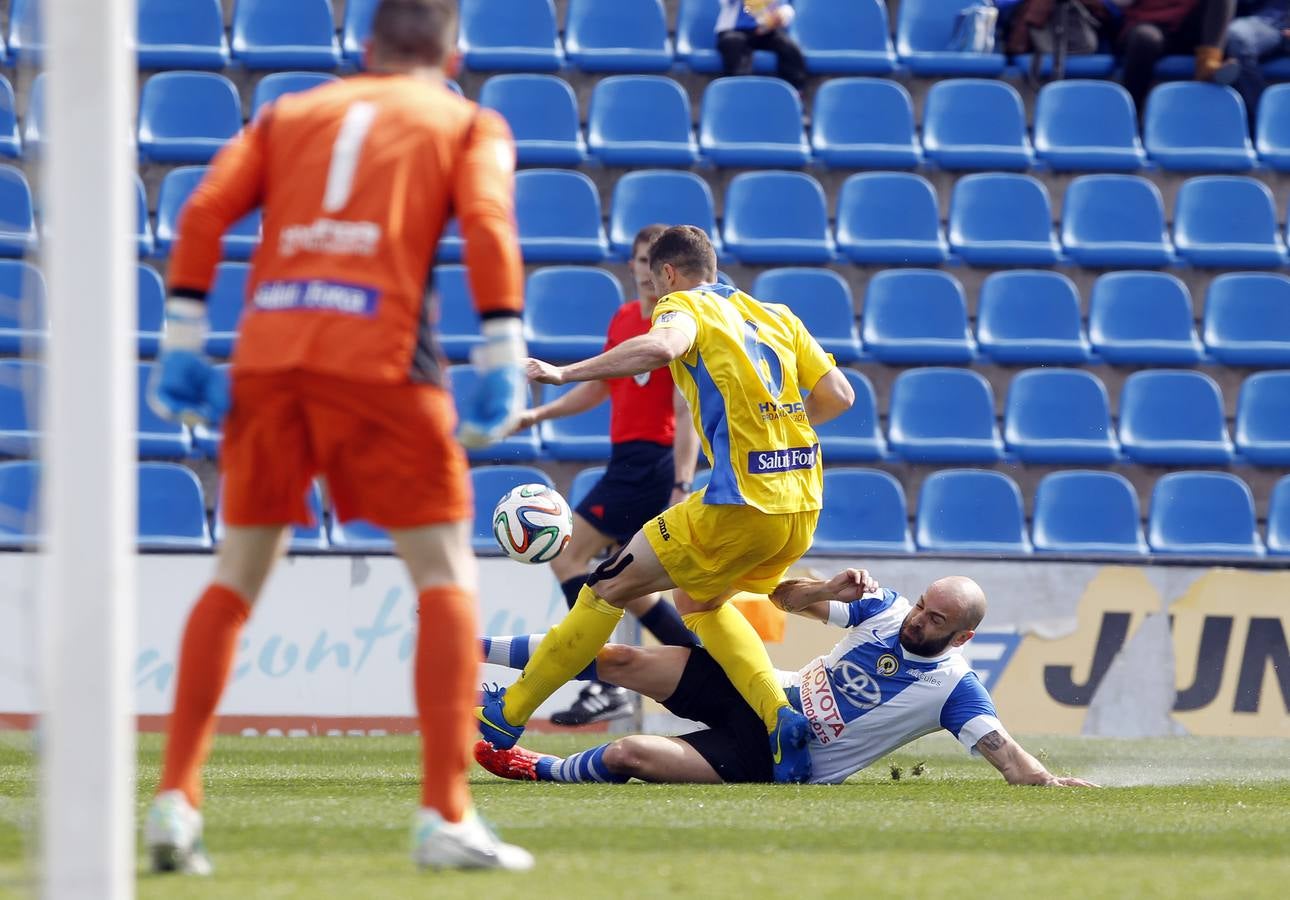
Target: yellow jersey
{"x": 743, "y": 377}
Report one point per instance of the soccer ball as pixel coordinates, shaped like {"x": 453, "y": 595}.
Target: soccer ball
{"x": 532, "y": 523}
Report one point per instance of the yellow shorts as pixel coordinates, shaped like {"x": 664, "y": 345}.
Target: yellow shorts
{"x": 709, "y": 550}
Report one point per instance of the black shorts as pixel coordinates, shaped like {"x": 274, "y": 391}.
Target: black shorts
{"x": 735, "y": 742}
{"x": 636, "y": 487}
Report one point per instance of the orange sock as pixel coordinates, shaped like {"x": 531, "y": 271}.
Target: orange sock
{"x": 447, "y": 685}
{"x": 205, "y": 659}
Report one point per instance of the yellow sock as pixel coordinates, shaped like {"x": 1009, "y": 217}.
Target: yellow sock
{"x": 566, "y": 650}
{"x": 735, "y": 646}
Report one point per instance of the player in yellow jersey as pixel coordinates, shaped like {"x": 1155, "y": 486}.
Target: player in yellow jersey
{"x": 745, "y": 369}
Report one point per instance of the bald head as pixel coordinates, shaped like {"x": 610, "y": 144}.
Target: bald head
{"x": 959, "y": 598}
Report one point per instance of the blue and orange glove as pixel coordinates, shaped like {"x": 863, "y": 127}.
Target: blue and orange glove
{"x": 501, "y": 389}
{"x": 184, "y": 386}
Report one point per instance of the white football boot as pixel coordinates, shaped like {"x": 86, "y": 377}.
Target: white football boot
{"x": 468, "y": 844}
{"x": 172, "y": 833}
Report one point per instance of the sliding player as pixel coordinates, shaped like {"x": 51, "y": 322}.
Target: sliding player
{"x": 336, "y": 373}
{"x": 651, "y": 467}
{"x": 744, "y": 368}
{"x": 897, "y": 675}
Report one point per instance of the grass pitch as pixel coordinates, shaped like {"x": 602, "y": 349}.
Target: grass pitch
{"x": 330, "y": 817}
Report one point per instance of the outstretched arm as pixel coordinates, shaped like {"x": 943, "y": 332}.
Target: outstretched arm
{"x": 1019, "y": 767}
{"x": 643, "y": 353}
{"x": 814, "y": 599}
{"x": 579, "y": 400}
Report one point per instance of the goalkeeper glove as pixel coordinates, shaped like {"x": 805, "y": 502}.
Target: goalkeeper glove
{"x": 500, "y": 396}
{"x": 184, "y": 386}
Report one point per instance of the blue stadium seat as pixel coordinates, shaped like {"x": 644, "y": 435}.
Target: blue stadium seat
{"x": 358, "y": 536}
{"x": 890, "y": 217}
{"x": 864, "y": 123}
{"x": 821, "y": 299}
{"x": 24, "y": 324}
{"x": 1030, "y": 316}
{"x": 916, "y": 316}
{"x": 1173, "y": 417}
{"x": 640, "y": 120}
{"x": 17, "y": 218}
{"x": 155, "y": 437}
{"x": 864, "y": 512}
{"x": 581, "y": 437}
{"x": 1203, "y": 514}
{"x": 752, "y": 121}
{"x": 844, "y": 37}
{"x": 19, "y": 502}
{"x": 696, "y": 39}
{"x": 971, "y": 511}
{"x": 975, "y": 123}
{"x": 543, "y": 115}
{"x": 942, "y": 415}
{"x": 559, "y": 216}
{"x": 623, "y": 36}
{"x": 1115, "y": 220}
{"x": 923, "y": 31}
{"x": 224, "y": 307}
{"x": 1247, "y": 319}
{"x": 458, "y": 328}
{"x": 567, "y": 310}
{"x": 657, "y": 196}
{"x": 1263, "y": 419}
{"x": 186, "y": 117}
{"x": 25, "y": 39}
{"x": 1143, "y": 318}
{"x": 1191, "y": 126}
{"x": 272, "y": 34}
{"x": 1087, "y": 125}
{"x": 143, "y": 238}
{"x": 522, "y": 40}
{"x": 187, "y": 35}
{"x": 20, "y": 386}
{"x": 1278, "y": 517}
{"x": 490, "y": 484}
{"x": 776, "y": 217}
{"x": 1227, "y": 220}
{"x": 238, "y": 242}
{"x": 451, "y": 244}
{"x": 276, "y": 84}
{"x": 172, "y": 509}
{"x": 854, "y": 436}
{"x": 582, "y": 484}
{"x": 1059, "y": 416}
{"x": 10, "y": 140}
{"x": 151, "y": 310}
{"x": 522, "y": 447}
{"x": 356, "y": 29}
{"x": 1001, "y": 219}
{"x": 1273, "y": 131}
{"x": 1080, "y": 512}
{"x": 303, "y": 537}
{"x": 33, "y": 123}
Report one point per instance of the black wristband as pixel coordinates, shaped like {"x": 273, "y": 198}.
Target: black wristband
{"x": 683, "y": 486}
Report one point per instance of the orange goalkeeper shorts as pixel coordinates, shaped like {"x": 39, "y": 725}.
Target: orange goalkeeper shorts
{"x": 387, "y": 451}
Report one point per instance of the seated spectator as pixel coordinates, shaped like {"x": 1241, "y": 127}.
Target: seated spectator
{"x": 1154, "y": 28}
{"x": 1258, "y": 32}
{"x": 747, "y": 25}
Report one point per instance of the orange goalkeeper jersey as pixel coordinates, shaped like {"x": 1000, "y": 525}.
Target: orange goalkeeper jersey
{"x": 356, "y": 180}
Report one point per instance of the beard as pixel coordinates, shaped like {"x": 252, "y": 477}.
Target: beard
{"x": 917, "y": 643}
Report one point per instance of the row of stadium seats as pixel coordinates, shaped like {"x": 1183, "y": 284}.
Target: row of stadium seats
{"x": 959, "y": 511}
{"x": 935, "y": 415}
{"x": 836, "y": 36}
{"x": 995, "y": 219}
{"x": 911, "y": 316}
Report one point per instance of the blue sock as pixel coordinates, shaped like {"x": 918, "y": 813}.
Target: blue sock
{"x": 513, "y": 651}
{"x": 664, "y": 622}
{"x": 587, "y": 766}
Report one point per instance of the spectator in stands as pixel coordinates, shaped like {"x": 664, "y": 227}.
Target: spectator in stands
{"x": 1258, "y": 32}
{"x": 1154, "y": 28}
{"x": 747, "y": 25}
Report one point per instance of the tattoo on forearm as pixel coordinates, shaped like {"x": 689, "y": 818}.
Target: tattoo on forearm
{"x": 992, "y": 741}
